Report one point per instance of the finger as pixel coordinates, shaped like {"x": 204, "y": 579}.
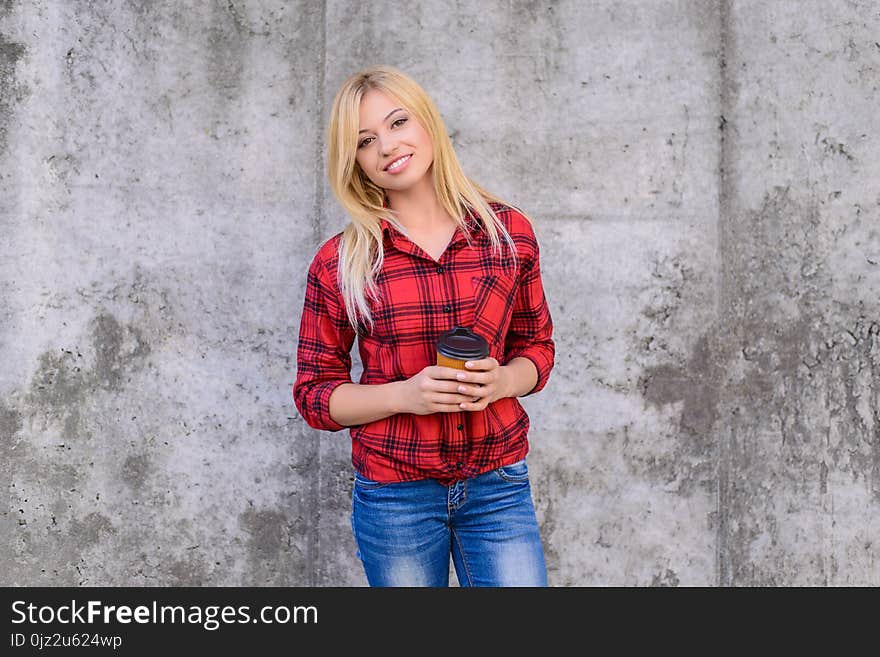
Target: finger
{"x": 482, "y": 364}
{"x": 474, "y": 377}
{"x": 442, "y": 372}
{"x": 447, "y": 408}
{"x": 454, "y": 398}
{"x": 470, "y": 391}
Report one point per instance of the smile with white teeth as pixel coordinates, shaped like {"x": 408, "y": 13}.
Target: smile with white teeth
{"x": 397, "y": 162}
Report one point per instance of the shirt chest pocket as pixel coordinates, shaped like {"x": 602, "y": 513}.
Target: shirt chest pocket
{"x": 494, "y": 296}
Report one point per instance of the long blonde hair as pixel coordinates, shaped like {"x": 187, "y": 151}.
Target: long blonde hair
{"x": 361, "y": 253}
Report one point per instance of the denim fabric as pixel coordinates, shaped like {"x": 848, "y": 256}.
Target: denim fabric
{"x": 406, "y": 531}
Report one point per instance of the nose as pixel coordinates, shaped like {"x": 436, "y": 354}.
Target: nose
{"x": 387, "y": 146}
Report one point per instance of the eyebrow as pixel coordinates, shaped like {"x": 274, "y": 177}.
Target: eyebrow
{"x": 399, "y": 109}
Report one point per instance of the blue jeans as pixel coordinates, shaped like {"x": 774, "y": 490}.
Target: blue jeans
{"x": 406, "y": 531}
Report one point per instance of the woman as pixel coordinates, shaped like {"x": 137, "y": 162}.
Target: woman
{"x": 438, "y": 453}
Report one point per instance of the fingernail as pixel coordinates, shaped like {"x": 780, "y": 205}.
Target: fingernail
{"x": 468, "y": 364}
{"x": 460, "y": 377}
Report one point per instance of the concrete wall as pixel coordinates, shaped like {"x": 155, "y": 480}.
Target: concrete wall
{"x": 705, "y": 182}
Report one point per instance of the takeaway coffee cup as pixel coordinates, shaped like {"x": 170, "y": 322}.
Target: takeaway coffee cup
{"x": 456, "y": 347}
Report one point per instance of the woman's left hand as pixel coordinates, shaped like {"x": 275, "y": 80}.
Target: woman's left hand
{"x": 486, "y": 380}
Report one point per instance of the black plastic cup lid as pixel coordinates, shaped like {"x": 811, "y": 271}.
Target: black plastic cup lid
{"x": 462, "y": 344}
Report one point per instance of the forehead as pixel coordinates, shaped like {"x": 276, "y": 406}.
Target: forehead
{"x": 375, "y": 104}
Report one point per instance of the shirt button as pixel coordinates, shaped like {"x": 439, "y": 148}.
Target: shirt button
{"x": 439, "y": 270}
{"x": 460, "y": 427}
{"x": 459, "y": 465}
{"x": 447, "y": 309}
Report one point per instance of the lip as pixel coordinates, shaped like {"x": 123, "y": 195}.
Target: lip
{"x": 401, "y": 167}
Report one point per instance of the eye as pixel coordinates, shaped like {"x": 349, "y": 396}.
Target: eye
{"x": 401, "y": 120}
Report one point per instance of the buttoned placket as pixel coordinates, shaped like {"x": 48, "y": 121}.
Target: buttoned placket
{"x": 457, "y": 464}
{"x": 399, "y": 241}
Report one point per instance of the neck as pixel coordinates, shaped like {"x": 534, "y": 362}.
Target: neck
{"x": 417, "y": 208}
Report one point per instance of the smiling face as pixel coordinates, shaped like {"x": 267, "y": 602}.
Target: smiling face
{"x": 388, "y": 132}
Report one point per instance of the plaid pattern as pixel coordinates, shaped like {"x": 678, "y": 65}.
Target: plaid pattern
{"x": 420, "y": 298}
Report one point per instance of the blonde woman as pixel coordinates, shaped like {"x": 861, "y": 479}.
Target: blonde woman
{"x": 438, "y": 453}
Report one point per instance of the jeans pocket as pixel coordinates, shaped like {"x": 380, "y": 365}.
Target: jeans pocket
{"x": 515, "y": 472}
{"x": 363, "y": 483}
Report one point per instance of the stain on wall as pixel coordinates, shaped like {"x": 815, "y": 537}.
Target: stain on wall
{"x": 693, "y": 386}
{"x": 11, "y": 90}
{"x": 801, "y": 400}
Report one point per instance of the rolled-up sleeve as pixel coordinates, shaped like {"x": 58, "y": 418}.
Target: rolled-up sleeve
{"x": 323, "y": 358}
{"x": 531, "y": 327}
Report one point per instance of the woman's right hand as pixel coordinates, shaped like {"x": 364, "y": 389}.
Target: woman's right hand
{"x": 433, "y": 390}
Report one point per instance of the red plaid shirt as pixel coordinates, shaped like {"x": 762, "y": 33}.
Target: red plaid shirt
{"x": 420, "y": 299}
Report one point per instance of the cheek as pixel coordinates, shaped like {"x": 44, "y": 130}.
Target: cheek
{"x": 418, "y": 137}
{"x": 425, "y": 143}
{"x": 366, "y": 165}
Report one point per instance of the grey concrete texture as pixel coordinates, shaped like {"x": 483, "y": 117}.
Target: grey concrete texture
{"x": 705, "y": 182}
